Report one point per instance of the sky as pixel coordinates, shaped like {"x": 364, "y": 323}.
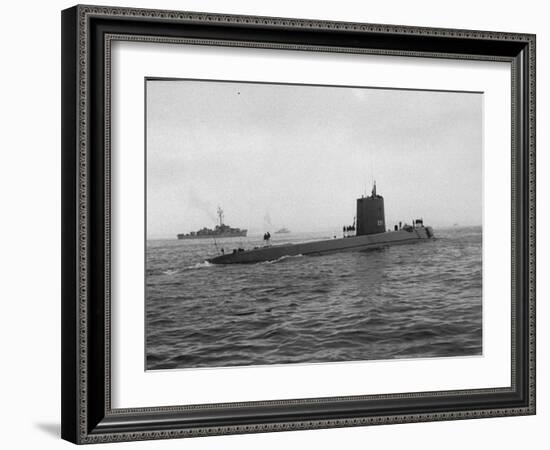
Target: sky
{"x": 299, "y": 156}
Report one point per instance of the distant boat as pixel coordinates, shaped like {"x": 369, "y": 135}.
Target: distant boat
{"x": 220, "y": 231}
{"x": 282, "y": 231}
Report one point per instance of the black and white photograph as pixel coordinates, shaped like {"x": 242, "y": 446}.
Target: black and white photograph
{"x": 299, "y": 224}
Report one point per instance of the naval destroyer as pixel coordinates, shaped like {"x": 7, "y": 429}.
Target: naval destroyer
{"x": 282, "y": 231}
{"x": 220, "y": 231}
{"x": 367, "y": 232}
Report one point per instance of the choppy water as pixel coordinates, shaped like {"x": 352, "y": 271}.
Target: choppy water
{"x": 407, "y": 301}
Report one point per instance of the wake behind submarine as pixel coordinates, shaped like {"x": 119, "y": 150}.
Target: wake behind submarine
{"x": 370, "y": 232}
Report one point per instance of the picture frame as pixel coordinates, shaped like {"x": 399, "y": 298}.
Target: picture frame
{"x": 88, "y": 33}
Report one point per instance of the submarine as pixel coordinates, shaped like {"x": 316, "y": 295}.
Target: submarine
{"x": 367, "y": 232}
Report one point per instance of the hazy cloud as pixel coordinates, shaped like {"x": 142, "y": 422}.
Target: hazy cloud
{"x": 302, "y": 154}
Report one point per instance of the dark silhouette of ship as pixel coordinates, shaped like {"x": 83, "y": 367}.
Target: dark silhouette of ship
{"x": 220, "y": 231}
{"x": 367, "y": 232}
{"x": 282, "y": 231}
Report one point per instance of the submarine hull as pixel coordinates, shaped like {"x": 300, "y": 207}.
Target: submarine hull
{"x": 356, "y": 243}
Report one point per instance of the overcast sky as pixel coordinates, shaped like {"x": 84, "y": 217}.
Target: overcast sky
{"x": 301, "y": 155}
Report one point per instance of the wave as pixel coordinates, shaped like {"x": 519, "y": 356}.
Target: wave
{"x": 200, "y": 265}
{"x": 170, "y": 272}
{"x": 282, "y": 258}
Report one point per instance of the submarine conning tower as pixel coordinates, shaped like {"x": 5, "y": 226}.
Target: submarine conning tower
{"x": 370, "y": 214}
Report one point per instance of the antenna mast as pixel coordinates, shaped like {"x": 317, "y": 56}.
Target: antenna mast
{"x": 372, "y": 169}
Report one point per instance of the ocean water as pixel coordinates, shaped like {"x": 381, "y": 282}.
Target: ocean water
{"x": 407, "y": 301}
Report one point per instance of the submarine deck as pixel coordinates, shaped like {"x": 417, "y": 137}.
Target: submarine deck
{"x": 355, "y": 243}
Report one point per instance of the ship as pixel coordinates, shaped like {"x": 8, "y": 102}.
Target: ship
{"x": 221, "y": 230}
{"x": 282, "y": 231}
{"x": 367, "y": 232}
